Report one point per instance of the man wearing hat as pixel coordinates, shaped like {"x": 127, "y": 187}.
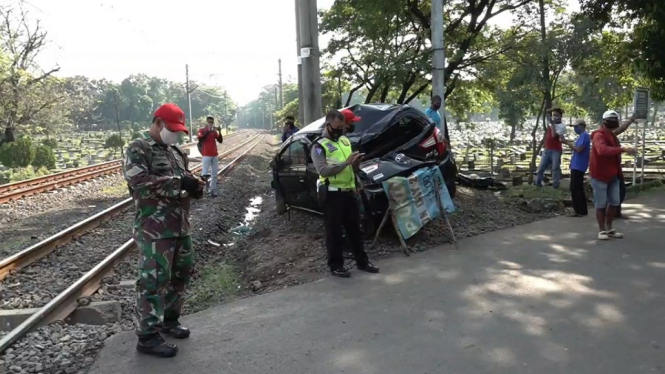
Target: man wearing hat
{"x": 160, "y": 183}
{"x": 605, "y": 171}
{"x": 335, "y": 162}
{"x": 579, "y": 164}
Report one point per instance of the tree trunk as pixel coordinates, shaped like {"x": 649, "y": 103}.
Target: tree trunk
{"x": 535, "y": 145}
{"x": 545, "y": 59}
{"x": 418, "y": 92}
{"x": 406, "y": 86}
{"x": 372, "y": 92}
{"x": 353, "y": 90}
{"x": 513, "y": 128}
{"x": 385, "y": 92}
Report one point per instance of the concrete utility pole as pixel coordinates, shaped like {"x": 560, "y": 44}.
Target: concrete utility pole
{"x": 309, "y": 54}
{"x": 439, "y": 55}
{"x": 301, "y": 112}
{"x": 189, "y": 100}
{"x": 281, "y": 93}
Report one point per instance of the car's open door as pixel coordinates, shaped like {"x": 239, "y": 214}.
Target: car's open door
{"x": 291, "y": 173}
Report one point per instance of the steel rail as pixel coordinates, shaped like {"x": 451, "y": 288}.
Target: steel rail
{"x": 67, "y": 301}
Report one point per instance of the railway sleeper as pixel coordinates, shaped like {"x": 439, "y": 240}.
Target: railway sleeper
{"x": 96, "y": 313}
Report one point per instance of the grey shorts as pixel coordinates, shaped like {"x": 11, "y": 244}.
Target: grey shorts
{"x": 605, "y": 194}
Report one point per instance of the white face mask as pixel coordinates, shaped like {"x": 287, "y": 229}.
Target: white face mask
{"x": 168, "y": 137}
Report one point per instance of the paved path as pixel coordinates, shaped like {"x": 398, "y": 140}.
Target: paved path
{"x": 540, "y": 298}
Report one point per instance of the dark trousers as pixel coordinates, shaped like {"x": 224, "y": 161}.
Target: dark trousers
{"x": 622, "y": 194}
{"x": 341, "y": 210}
{"x": 577, "y": 192}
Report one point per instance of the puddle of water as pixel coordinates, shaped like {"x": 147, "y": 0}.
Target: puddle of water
{"x": 252, "y": 210}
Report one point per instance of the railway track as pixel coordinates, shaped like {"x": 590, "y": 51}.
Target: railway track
{"x": 46, "y": 246}
{"x": 18, "y": 190}
{"x": 68, "y": 300}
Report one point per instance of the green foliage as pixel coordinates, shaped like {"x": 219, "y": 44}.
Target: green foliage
{"x": 19, "y": 153}
{"x": 44, "y": 157}
{"x": 52, "y": 143}
{"x": 647, "y": 42}
{"x": 114, "y": 142}
{"x": 135, "y": 135}
{"x": 21, "y": 174}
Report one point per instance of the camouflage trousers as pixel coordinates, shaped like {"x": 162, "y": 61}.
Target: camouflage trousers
{"x": 165, "y": 267}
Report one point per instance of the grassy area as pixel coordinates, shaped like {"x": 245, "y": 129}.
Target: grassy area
{"x": 215, "y": 283}
{"x": 644, "y": 189}
{"x": 533, "y": 192}
{"x": 119, "y": 189}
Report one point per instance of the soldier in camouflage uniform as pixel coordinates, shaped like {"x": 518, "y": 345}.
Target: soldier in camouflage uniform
{"x": 161, "y": 186}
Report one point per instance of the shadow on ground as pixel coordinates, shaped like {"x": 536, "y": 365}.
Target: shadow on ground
{"x": 540, "y": 298}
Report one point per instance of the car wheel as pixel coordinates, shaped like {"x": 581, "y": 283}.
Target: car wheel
{"x": 280, "y": 203}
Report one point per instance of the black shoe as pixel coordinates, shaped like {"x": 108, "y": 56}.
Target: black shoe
{"x": 156, "y": 345}
{"x": 369, "y": 267}
{"x": 175, "y": 329}
{"x": 341, "y": 272}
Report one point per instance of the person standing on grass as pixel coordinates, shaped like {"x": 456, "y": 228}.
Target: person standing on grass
{"x": 553, "y": 149}
{"x": 605, "y": 170}
{"x": 578, "y": 167}
{"x": 208, "y": 137}
{"x": 162, "y": 187}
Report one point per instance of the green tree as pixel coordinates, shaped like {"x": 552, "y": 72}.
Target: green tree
{"x": 44, "y": 157}
{"x": 19, "y": 153}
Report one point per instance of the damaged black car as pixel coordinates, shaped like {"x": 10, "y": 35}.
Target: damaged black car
{"x": 396, "y": 140}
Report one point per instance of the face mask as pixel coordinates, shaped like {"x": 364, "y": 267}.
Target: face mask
{"x": 611, "y": 124}
{"x": 168, "y": 137}
{"x": 578, "y": 130}
{"x": 334, "y": 133}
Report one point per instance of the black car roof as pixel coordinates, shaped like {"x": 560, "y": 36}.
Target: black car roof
{"x": 374, "y": 117}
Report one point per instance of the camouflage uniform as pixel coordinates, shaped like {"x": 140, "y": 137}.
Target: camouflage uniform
{"x": 161, "y": 231}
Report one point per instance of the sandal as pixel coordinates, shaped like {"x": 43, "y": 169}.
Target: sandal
{"x": 614, "y": 234}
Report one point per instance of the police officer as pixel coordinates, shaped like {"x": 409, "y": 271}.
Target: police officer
{"x": 335, "y": 160}
{"x": 161, "y": 186}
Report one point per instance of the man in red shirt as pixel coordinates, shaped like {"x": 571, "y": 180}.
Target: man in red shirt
{"x": 605, "y": 170}
{"x": 208, "y": 138}
{"x": 553, "y": 150}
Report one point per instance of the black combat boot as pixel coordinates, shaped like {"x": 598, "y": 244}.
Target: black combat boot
{"x": 175, "y": 329}
{"x": 368, "y": 267}
{"x": 155, "y": 345}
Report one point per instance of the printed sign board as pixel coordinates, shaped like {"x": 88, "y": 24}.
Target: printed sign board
{"x": 641, "y": 103}
{"x": 414, "y": 199}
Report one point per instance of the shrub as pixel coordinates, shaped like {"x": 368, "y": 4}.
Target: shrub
{"x": 21, "y": 174}
{"x": 50, "y": 143}
{"x": 136, "y": 135}
{"x": 19, "y": 153}
{"x": 44, "y": 157}
{"x": 115, "y": 142}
